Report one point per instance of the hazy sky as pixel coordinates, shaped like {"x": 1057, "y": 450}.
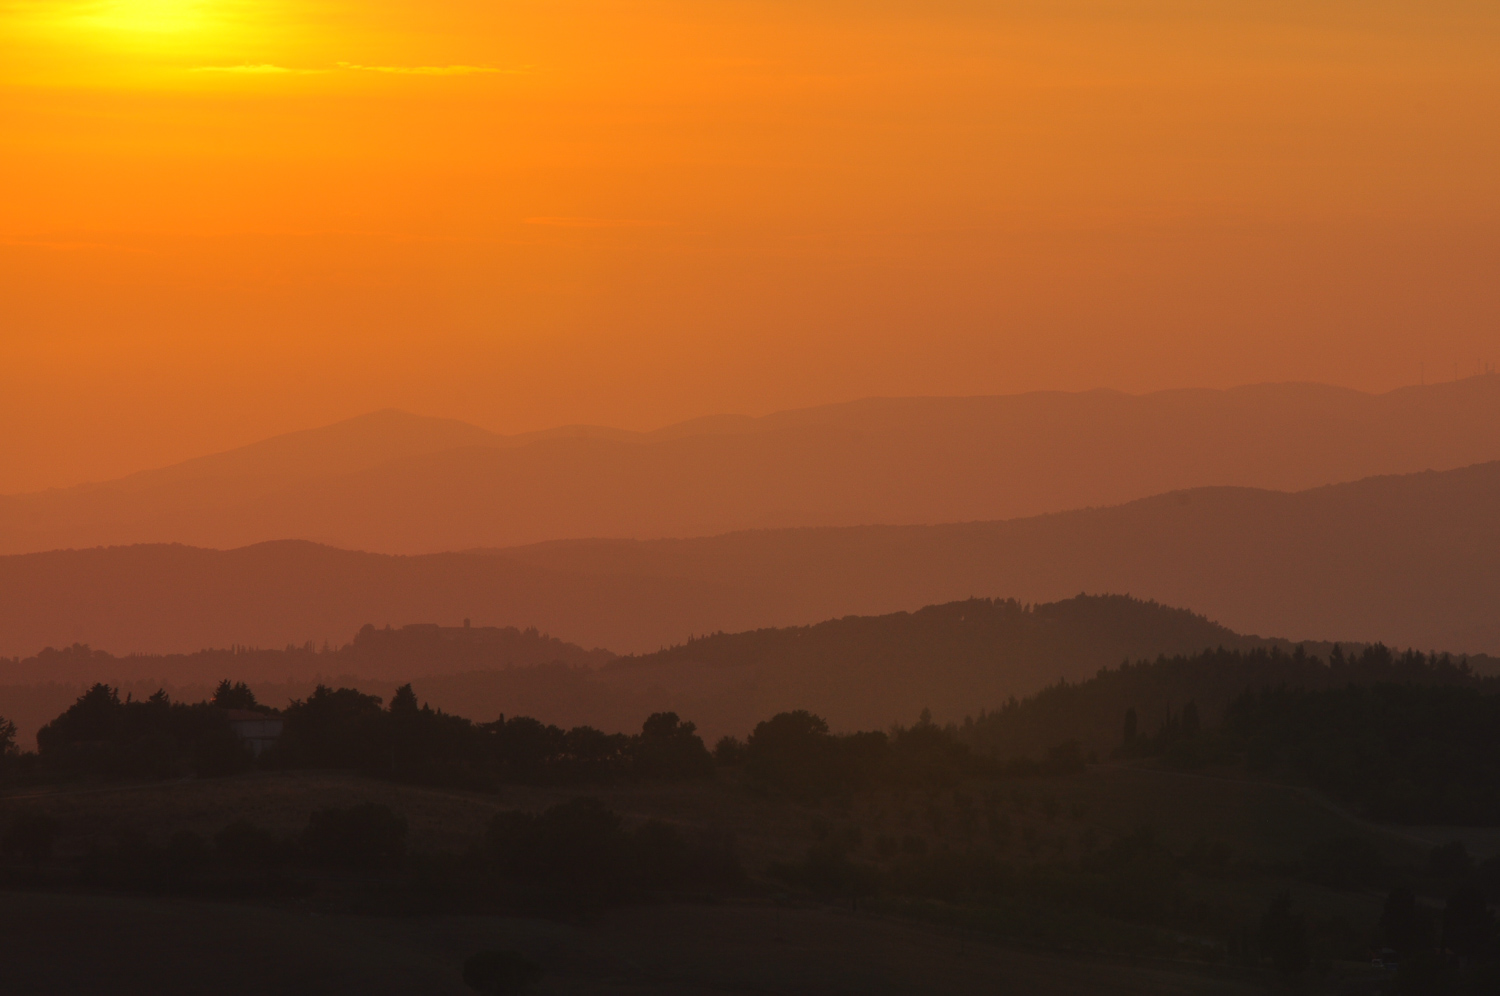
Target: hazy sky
{"x": 221, "y": 219}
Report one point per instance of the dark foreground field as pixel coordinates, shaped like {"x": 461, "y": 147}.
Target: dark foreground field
{"x": 361, "y": 933}
{"x": 95, "y": 944}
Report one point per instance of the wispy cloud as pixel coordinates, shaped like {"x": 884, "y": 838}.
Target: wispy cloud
{"x": 427, "y": 70}
{"x": 558, "y": 222}
{"x": 270, "y": 69}
{"x": 258, "y": 69}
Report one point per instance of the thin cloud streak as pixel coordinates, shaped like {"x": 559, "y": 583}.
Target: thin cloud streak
{"x": 260, "y": 69}
{"x": 428, "y": 70}
{"x": 270, "y": 69}
{"x": 595, "y": 222}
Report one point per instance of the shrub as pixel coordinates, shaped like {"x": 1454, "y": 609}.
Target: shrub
{"x": 29, "y": 836}
{"x": 245, "y": 844}
{"x": 579, "y": 852}
{"x": 671, "y": 749}
{"x": 496, "y": 973}
{"x": 367, "y": 835}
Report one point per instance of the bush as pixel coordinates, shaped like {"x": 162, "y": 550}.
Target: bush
{"x": 7, "y": 738}
{"x": 1283, "y": 937}
{"x": 244, "y": 844}
{"x": 102, "y": 736}
{"x": 1405, "y": 927}
{"x": 29, "y": 836}
{"x": 729, "y": 751}
{"x": 496, "y": 973}
{"x": 367, "y": 835}
{"x": 793, "y": 752}
{"x": 827, "y": 870}
{"x": 580, "y": 853}
{"x": 1468, "y": 925}
{"x": 671, "y": 749}
{"x": 1343, "y": 863}
{"x": 1450, "y": 860}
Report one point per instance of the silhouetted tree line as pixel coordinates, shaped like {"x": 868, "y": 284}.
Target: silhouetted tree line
{"x": 1158, "y": 692}
{"x": 1454, "y": 948}
{"x": 794, "y": 753}
{"x": 104, "y": 736}
{"x": 1405, "y": 753}
{"x": 1401, "y": 753}
{"x": 344, "y": 728}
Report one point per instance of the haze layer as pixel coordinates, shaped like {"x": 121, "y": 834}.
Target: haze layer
{"x": 219, "y": 221}
{"x": 400, "y": 484}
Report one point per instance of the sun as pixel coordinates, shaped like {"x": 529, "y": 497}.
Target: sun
{"x": 146, "y": 17}
{"x": 82, "y": 38}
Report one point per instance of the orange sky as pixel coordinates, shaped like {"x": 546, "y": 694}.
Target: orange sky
{"x": 221, "y": 219}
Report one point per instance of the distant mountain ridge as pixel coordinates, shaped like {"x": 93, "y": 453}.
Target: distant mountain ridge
{"x": 396, "y": 483}
{"x": 1410, "y": 560}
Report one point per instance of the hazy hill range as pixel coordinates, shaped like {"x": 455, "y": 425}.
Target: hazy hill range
{"x": 398, "y": 483}
{"x": 856, "y": 671}
{"x": 36, "y": 688}
{"x": 859, "y": 672}
{"x": 1410, "y": 560}
{"x": 387, "y": 653}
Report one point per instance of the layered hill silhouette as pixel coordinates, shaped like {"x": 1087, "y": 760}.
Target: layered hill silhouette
{"x": 864, "y": 672}
{"x": 398, "y": 483}
{"x": 1410, "y": 560}
{"x": 857, "y": 671}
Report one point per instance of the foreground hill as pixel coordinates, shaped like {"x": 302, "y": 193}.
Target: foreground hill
{"x": 397, "y": 483}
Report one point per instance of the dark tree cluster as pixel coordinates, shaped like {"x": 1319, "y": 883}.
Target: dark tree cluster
{"x": 103, "y": 736}
{"x": 794, "y": 753}
{"x": 344, "y": 728}
{"x": 581, "y": 853}
{"x": 1170, "y": 698}
{"x": 1453, "y": 948}
{"x": 1405, "y": 753}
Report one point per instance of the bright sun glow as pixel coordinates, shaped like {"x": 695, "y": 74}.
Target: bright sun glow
{"x": 154, "y": 17}
{"x": 114, "y": 43}
{"x": 161, "y": 27}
